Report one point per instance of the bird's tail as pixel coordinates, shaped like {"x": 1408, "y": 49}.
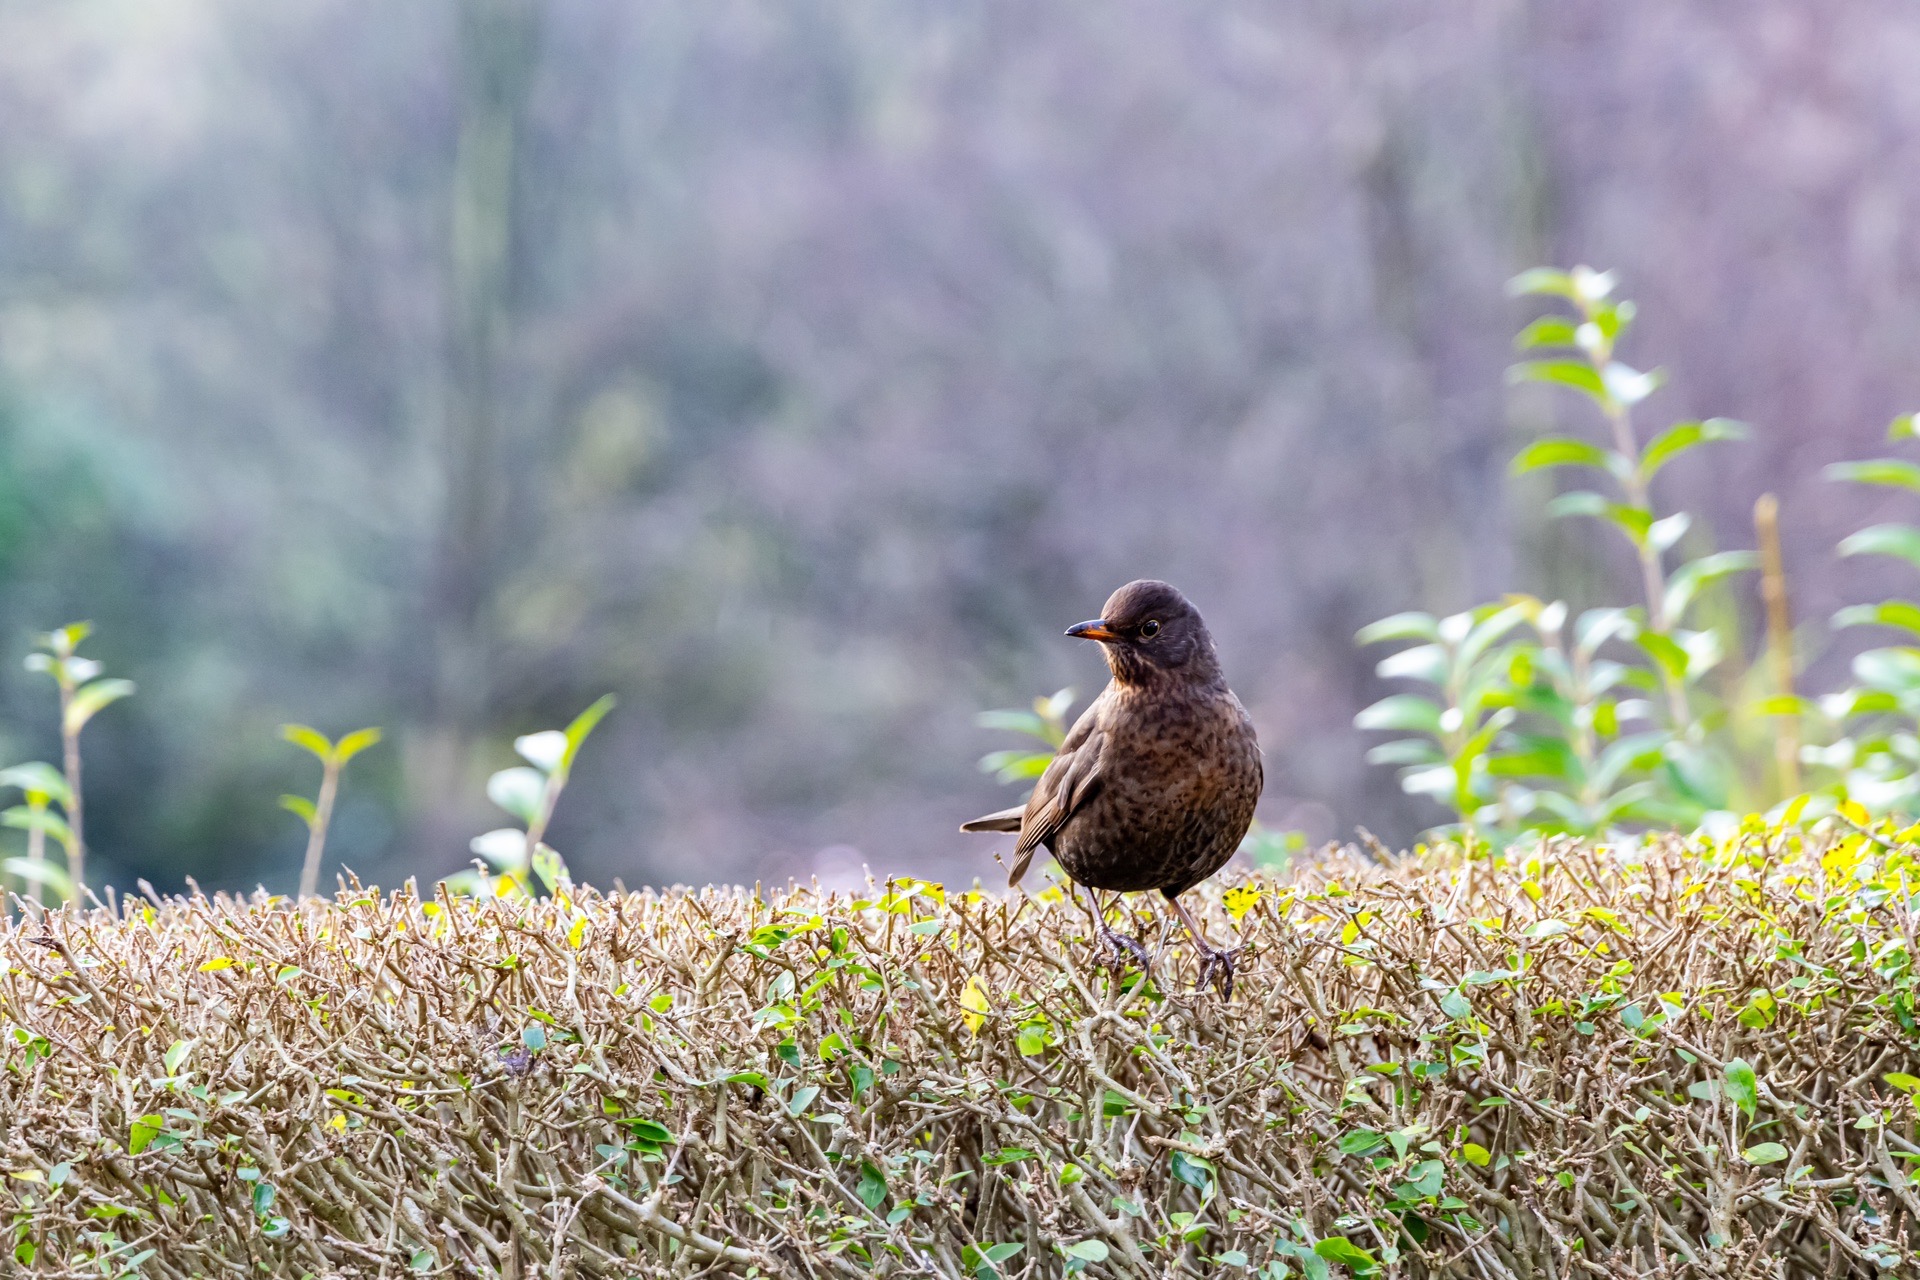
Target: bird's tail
{"x": 1007, "y": 820}
{"x": 1019, "y": 868}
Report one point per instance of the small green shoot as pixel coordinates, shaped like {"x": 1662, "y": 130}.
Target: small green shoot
{"x": 318, "y": 813}
{"x": 82, "y": 694}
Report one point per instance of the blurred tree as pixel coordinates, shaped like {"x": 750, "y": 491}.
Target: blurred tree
{"x": 798, "y": 370}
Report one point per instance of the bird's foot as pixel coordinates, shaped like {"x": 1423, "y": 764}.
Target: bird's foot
{"x": 1122, "y": 947}
{"x": 1216, "y": 970}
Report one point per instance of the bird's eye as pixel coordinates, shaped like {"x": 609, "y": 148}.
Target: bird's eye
{"x": 1149, "y": 629}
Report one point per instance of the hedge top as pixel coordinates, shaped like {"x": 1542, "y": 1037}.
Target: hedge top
{"x": 1663, "y": 1058}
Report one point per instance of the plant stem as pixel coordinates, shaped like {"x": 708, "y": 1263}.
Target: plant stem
{"x": 70, "y": 755}
{"x": 537, "y": 829}
{"x": 317, "y": 833}
{"x": 1773, "y": 590}
{"x": 1652, "y": 575}
{"x": 36, "y": 854}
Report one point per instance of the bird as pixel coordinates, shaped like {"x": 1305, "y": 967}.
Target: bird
{"x": 1155, "y": 785}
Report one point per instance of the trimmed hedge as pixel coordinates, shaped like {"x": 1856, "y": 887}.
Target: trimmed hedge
{"x": 1669, "y": 1060}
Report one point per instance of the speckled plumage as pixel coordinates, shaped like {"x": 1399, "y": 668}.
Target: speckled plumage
{"x": 1156, "y": 783}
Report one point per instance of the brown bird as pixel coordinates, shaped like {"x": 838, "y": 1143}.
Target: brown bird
{"x": 1155, "y": 785}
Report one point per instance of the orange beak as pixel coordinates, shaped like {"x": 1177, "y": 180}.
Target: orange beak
{"x": 1097, "y": 629}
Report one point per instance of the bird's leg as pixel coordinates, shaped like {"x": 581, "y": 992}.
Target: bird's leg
{"x": 1216, "y": 966}
{"x": 1118, "y": 946}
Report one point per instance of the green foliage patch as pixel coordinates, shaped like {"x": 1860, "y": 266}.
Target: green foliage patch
{"x": 1662, "y": 1057}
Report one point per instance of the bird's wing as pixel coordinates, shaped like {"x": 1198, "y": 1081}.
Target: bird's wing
{"x": 1005, "y": 820}
{"x": 1072, "y": 779}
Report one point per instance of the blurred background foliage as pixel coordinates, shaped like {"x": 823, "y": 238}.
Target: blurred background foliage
{"x": 797, "y": 371}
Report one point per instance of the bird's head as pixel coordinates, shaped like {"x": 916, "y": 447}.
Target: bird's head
{"x": 1148, "y": 630}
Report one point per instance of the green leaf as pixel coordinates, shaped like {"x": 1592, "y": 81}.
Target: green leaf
{"x": 301, "y": 807}
{"x": 649, "y": 1131}
{"x": 27, "y": 818}
{"x": 549, "y": 866}
{"x": 1475, "y": 1154}
{"x": 802, "y": 1099}
{"x": 263, "y": 1197}
{"x": 1662, "y": 534}
{"x": 1360, "y": 1141}
{"x": 1033, "y": 1039}
{"x": 544, "y": 750}
{"x": 1347, "y": 1253}
{"x": 1424, "y": 662}
{"x": 1894, "y": 473}
{"x": 35, "y": 778}
{"x": 1892, "y": 670}
{"x": 1743, "y": 1086}
{"x": 520, "y": 791}
{"x": 1405, "y": 712}
{"x": 92, "y": 698}
{"x": 43, "y": 872}
{"x": 143, "y": 1132}
{"x": 1013, "y": 722}
{"x": 1401, "y": 626}
{"x": 1669, "y": 656}
{"x": 308, "y": 739}
{"x": 1564, "y": 451}
{"x": 1087, "y": 1250}
{"x": 1404, "y": 752}
{"x": 1542, "y": 280}
{"x": 534, "y": 1037}
{"x": 1547, "y": 331}
{"x": 1632, "y": 520}
{"x": 176, "y": 1055}
{"x": 583, "y": 724}
{"x": 1567, "y": 373}
{"x": 872, "y": 1186}
{"x": 1012, "y": 766}
{"x": 1764, "y": 1153}
{"x": 1682, "y": 436}
{"x": 1695, "y": 574}
{"x": 1902, "y": 541}
{"x": 1903, "y": 614}
{"x": 354, "y": 743}
{"x": 1902, "y": 1081}
{"x": 1195, "y": 1171}
{"x": 1455, "y": 1005}
{"x": 1629, "y": 386}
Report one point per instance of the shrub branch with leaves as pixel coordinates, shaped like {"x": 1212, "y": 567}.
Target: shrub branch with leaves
{"x": 515, "y": 862}
{"x": 1540, "y": 721}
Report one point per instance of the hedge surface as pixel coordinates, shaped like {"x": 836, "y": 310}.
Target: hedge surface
{"x": 1668, "y": 1060}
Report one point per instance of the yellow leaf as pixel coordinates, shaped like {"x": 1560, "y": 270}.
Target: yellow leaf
{"x": 217, "y": 963}
{"x": 1532, "y": 890}
{"x": 1240, "y": 899}
{"x": 339, "y": 1121}
{"x": 577, "y": 934}
{"x": 29, "y": 1175}
{"x": 974, "y": 1000}
{"x": 1856, "y": 812}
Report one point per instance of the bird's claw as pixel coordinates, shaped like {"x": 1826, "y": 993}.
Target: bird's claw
{"x": 1216, "y": 970}
{"x": 1121, "y": 947}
